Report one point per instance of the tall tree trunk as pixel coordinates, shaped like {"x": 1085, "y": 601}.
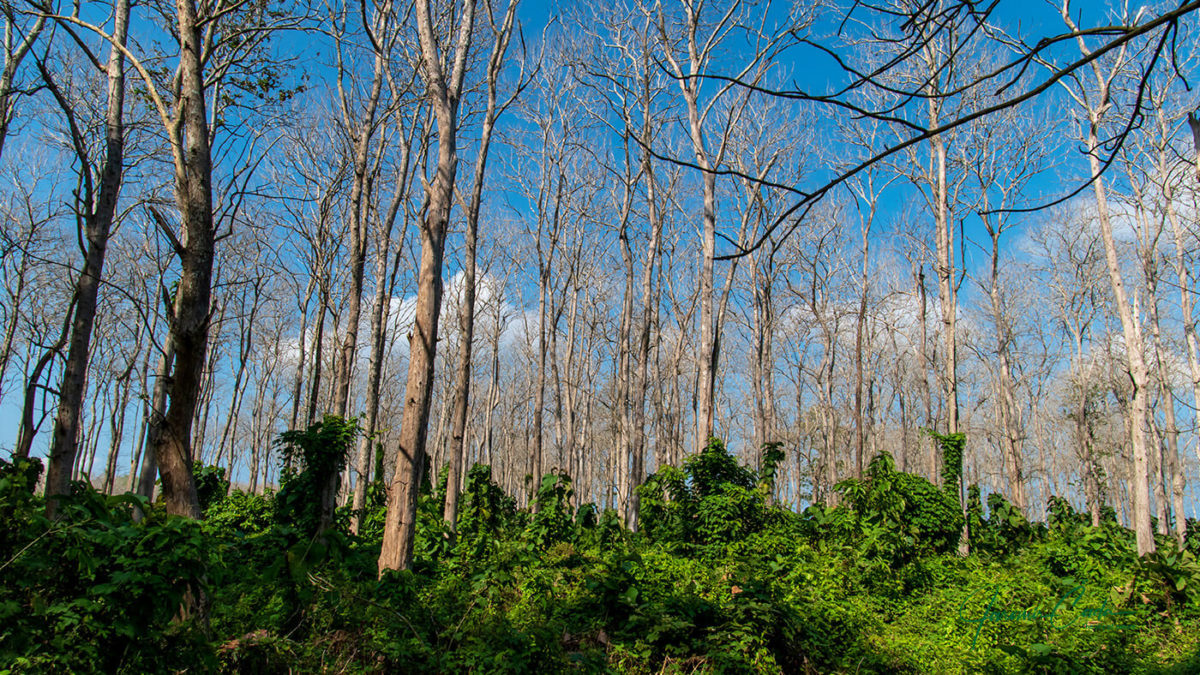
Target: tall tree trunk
{"x": 1130, "y": 323}
{"x": 190, "y": 317}
{"x": 637, "y": 403}
{"x": 98, "y": 222}
{"x": 360, "y": 195}
{"x": 466, "y": 315}
{"x": 1185, "y": 292}
{"x": 380, "y": 310}
{"x": 860, "y": 326}
{"x": 1171, "y": 479}
{"x": 444, "y": 93}
{"x": 1010, "y": 428}
{"x": 1138, "y": 372}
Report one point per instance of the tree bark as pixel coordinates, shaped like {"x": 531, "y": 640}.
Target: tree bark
{"x": 1130, "y": 324}
{"x": 190, "y": 316}
{"x": 444, "y": 93}
{"x": 466, "y": 316}
{"x": 98, "y": 222}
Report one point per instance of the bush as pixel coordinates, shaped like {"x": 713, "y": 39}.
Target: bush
{"x": 94, "y": 590}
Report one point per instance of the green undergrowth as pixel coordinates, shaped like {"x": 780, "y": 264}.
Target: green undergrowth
{"x": 715, "y": 580}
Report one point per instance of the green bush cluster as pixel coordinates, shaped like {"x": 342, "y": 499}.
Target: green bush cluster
{"x": 96, "y": 590}
{"x": 715, "y": 579}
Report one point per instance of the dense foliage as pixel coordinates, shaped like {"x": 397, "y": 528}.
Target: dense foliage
{"x": 716, "y": 579}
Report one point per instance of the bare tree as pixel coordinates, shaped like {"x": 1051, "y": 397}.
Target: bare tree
{"x": 20, "y": 33}
{"x": 1096, "y": 100}
{"x": 690, "y": 45}
{"x": 501, "y": 29}
{"x": 96, "y": 208}
{"x": 444, "y": 83}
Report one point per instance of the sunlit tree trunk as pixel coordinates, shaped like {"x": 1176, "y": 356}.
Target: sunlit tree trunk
{"x": 466, "y": 317}
{"x": 445, "y": 90}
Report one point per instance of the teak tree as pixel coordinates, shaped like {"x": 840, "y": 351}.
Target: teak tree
{"x": 444, "y": 85}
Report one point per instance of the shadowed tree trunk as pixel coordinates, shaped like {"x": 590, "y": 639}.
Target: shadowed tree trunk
{"x": 100, "y": 208}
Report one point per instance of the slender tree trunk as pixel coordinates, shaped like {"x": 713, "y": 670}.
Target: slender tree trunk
{"x": 1138, "y": 372}
{"x": 444, "y": 93}
{"x": 1138, "y": 482}
{"x": 117, "y": 428}
{"x": 860, "y": 326}
{"x": 1168, "y": 455}
{"x": 466, "y": 317}
{"x": 245, "y": 344}
{"x": 379, "y": 330}
{"x": 301, "y": 344}
{"x": 98, "y": 222}
{"x": 1010, "y": 434}
{"x": 158, "y": 403}
{"x": 934, "y": 462}
{"x": 1185, "y": 300}
{"x": 318, "y": 346}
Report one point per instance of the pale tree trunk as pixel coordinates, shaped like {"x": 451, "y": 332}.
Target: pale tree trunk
{"x": 564, "y": 382}
{"x": 947, "y": 298}
{"x": 933, "y": 459}
{"x": 947, "y": 295}
{"x": 624, "y": 457}
{"x": 1170, "y": 477}
{"x": 14, "y": 53}
{"x": 539, "y": 398}
{"x": 466, "y": 317}
{"x": 1138, "y": 372}
{"x": 870, "y": 195}
{"x": 493, "y": 395}
{"x": 380, "y": 311}
{"x": 98, "y": 220}
{"x": 1165, "y": 460}
{"x": 1130, "y": 324}
{"x": 637, "y": 402}
{"x": 361, "y": 193}
{"x": 444, "y": 93}
{"x": 547, "y": 315}
{"x": 1185, "y": 294}
{"x": 361, "y": 131}
{"x": 699, "y": 55}
{"x": 1006, "y": 404}
{"x": 1091, "y": 482}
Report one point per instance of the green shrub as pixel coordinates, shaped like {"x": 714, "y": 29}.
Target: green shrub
{"x": 94, "y": 590}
